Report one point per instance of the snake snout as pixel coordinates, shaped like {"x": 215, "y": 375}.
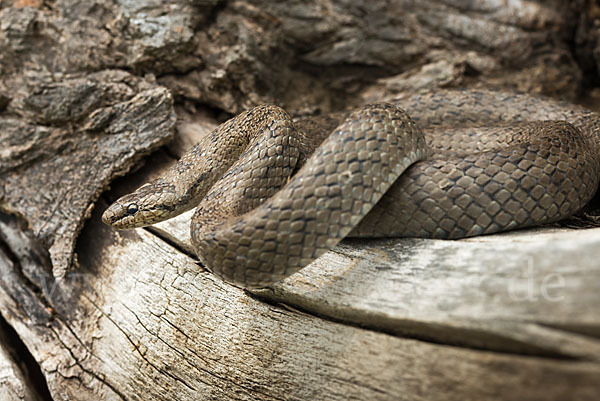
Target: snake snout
{"x": 106, "y": 217}
{"x": 148, "y": 205}
{"x": 124, "y": 213}
{"x": 112, "y": 215}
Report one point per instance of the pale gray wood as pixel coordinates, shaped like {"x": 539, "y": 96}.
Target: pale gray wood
{"x": 146, "y": 322}
{"x": 533, "y": 291}
{"x": 536, "y": 293}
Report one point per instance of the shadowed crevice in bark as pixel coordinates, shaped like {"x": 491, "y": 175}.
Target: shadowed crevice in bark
{"x": 24, "y": 360}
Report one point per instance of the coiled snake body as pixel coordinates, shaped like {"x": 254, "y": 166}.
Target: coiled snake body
{"x": 271, "y": 198}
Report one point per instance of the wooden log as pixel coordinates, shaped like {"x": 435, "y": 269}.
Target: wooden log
{"x": 531, "y": 291}
{"x": 141, "y": 320}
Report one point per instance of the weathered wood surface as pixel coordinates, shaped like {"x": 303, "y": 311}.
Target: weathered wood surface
{"x": 131, "y": 316}
{"x": 532, "y": 292}
{"x": 146, "y": 322}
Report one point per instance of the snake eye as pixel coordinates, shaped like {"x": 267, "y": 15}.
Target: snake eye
{"x": 132, "y": 209}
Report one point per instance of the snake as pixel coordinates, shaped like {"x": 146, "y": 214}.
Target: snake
{"x": 273, "y": 194}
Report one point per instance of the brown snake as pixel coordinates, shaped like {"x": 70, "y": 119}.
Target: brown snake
{"x": 272, "y": 198}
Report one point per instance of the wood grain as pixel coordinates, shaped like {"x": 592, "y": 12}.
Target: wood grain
{"x": 145, "y": 322}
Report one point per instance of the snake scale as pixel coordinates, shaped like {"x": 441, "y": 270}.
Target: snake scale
{"x": 272, "y": 195}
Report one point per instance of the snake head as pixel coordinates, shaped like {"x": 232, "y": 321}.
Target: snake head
{"x": 149, "y": 204}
